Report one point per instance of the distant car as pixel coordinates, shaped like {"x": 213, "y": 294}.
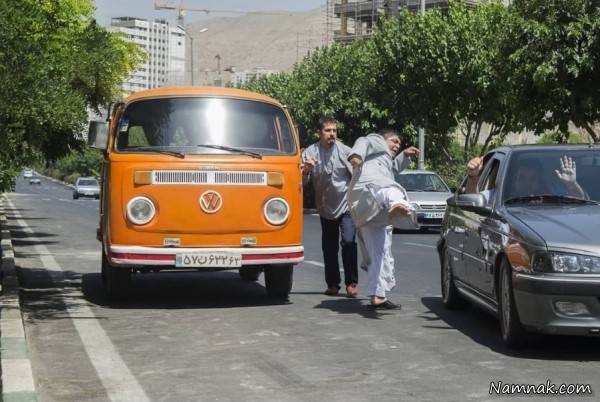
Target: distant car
{"x": 27, "y": 173}
{"x": 86, "y": 187}
{"x": 428, "y": 193}
{"x": 35, "y": 180}
{"x": 524, "y": 245}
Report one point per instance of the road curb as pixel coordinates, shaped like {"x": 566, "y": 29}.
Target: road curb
{"x": 17, "y": 375}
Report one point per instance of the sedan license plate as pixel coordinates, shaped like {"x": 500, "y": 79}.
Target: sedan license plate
{"x": 208, "y": 259}
{"x": 433, "y": 215}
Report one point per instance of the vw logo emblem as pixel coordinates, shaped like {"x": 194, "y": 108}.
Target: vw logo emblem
{"x": 211, "y": 202}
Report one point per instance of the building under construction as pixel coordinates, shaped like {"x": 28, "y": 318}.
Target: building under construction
{"x": 348, "y": 20}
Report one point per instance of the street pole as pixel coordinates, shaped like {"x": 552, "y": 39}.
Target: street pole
{"x": 192, "y": 58}
{"x": 421, "y": 164}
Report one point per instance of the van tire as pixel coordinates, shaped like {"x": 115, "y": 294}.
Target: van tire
{"x": 117, "y": 281}
{"x": 278, "y": 280}
{"x": 250, "y": 273}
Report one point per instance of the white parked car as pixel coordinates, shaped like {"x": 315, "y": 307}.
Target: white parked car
{"x": 86, "y": 187}
{"x": 427, "y": 193}
{"x": 27, "y": 173}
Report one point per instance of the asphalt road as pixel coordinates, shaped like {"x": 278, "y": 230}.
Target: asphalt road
{"x": 212, "y": 336}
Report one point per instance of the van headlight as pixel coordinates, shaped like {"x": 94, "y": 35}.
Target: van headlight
{"x": 140, "y": 210}
{"x": 276, "y": 211}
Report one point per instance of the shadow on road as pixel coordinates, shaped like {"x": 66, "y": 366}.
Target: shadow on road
{"x": 24, "y": 238}
{"x": 344, "y": 305}
{"x": 183, "y": 290}
{"x": 53, "y": 295}
{"x": 485, "y": 330}
{"x": 49, "y": 294}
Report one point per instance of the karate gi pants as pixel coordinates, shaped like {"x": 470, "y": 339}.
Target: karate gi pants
{"x": 377, "y": 250}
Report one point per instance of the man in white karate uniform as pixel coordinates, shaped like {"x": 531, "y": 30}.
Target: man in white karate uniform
{"x": 376, "y": 200}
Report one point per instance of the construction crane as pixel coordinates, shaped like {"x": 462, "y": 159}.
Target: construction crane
{"x": 182, "y": 10}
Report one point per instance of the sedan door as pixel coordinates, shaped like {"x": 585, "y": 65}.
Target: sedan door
{"x": 482, "y": 231}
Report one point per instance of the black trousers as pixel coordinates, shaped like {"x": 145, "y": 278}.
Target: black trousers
{"x": 331, "y": 231}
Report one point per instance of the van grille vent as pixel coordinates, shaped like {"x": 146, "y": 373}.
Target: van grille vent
{"x": 225, "y": 178}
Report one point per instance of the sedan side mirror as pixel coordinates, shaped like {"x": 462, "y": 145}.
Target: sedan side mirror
{"x": 476, "y": 200}
{"x": 98, "y": 134}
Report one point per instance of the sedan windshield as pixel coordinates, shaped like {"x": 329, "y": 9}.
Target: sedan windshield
{"x": 88, "y": 183}
{"x": 205, "y": 125}
{"x": 553, "y": 176}
{"x": 422, "y": 182}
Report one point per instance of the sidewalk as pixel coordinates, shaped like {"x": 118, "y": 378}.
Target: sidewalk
{"x": 17, "y": 376}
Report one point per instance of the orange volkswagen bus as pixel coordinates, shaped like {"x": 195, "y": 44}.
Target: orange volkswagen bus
{"x": 199, "y": 179}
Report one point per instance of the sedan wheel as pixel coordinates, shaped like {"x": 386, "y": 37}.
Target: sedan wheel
{"x": 513, "y": 333}
{"x": 450, "y": 296}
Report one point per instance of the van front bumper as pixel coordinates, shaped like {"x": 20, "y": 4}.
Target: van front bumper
{"x": 144, "y": 256}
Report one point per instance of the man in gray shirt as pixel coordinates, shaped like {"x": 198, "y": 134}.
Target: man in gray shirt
{"x": 325, "y": 163}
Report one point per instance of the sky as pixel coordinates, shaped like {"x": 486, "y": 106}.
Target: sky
{"x": 106, "y": 9}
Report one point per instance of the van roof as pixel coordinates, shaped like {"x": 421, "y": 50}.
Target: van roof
{"x": 201, "y": 91}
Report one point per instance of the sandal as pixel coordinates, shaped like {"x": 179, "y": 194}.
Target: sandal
{"x": 386, "y": 305}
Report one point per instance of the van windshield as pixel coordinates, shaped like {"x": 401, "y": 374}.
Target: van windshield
{"x": 204, "y": 125}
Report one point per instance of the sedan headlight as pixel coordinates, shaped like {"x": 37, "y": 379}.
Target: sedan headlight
{"x": 276, "y": 211}
{"x": 415, "y": 206}
{"x": 575, "y": 263}
{"x": 140, "y": 210}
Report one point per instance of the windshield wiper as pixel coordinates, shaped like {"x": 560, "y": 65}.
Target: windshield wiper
{"x": 231, "y": 149}
{"x": 552, "y": 198}
{"x": 158, "y": 151}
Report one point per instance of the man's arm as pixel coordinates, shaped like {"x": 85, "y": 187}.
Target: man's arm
{"x": 403, "y": 159}
{"x": 360, "y": 149}
{"x": 308, "y": 163}
{"x": 568, "y": 175}
{"x": 474, "y": 168}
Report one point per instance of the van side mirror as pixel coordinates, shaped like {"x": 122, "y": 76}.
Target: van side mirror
{"x": 98, "y": 134}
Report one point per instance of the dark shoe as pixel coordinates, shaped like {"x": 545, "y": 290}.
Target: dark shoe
{"x": 352, "y": 290}
{"x": 332, "y": 291}
{"x": 386, "y": 305}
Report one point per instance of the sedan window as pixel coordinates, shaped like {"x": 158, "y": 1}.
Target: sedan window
{"x": 560, "y": 172}
{"x": 422, "y": 182}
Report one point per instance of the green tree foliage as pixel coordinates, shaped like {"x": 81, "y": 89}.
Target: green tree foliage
{"x": 55, "y": 62}
{"x": 553, "y": 49}
{"x": 477, "y": 72}
{"x": 445, "y": 71}
{"x": 85, "y": 162}
{"x": 335, "y": 81}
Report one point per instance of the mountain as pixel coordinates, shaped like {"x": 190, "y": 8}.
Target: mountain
{"x": 251, "y": 41}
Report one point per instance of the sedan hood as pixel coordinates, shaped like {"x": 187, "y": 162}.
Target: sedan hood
{"x": 568, "y": 227}
{"x": 428, "y": 197}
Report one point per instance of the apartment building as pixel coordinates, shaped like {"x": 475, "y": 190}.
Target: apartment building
{"x": 165, "y": 45}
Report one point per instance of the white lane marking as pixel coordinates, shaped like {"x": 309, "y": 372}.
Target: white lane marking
{"x": 14, "y": 380}
{"x": 46, "y": 199}
{"x": 318, "y": 264}
{"x": 119, "y": 382}
{"x": 418, "y": 244}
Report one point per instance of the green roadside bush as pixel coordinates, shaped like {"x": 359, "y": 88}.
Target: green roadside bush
{"x": 77, "y": 164}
